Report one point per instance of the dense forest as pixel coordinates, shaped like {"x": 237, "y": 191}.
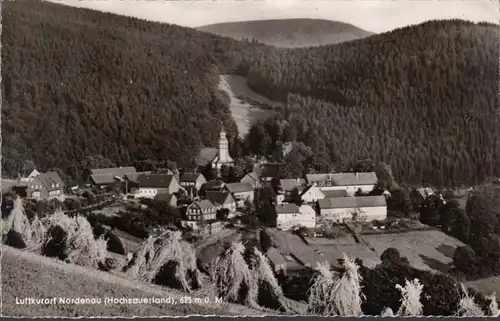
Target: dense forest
{"x": 80, "y": 83}
{"x": 423, "y": 99}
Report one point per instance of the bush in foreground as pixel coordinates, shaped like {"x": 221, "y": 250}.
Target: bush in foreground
{"x": 166, "y": 260}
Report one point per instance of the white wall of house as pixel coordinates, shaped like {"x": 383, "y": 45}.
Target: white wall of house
{"x": 373, "y": 213}
{"x": 338, "y": 214}
{"x": 146, "y": 192}
{"x": 312, "y": 195}
{"x": 349, "y": 189}
{"x": 290, "y": 220}
{"x": 243, "y": 196}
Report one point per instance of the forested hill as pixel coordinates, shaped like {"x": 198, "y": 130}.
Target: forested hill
{"x": 289, "y": 33}
{"x": 78, "y": 82}
{"x": 422, "y": 98}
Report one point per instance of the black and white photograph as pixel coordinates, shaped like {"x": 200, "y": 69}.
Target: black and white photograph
{"x": 250, "y": 158}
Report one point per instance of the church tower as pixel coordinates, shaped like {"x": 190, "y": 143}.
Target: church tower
{"x": 224, "y": 157}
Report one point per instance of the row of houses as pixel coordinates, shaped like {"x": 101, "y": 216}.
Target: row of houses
{"x": 331, "y": 197}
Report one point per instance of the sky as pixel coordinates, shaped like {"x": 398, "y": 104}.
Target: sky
{"x": 372, "y": 15}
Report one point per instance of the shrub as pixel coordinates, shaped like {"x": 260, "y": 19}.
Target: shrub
{"x": 333, "y": 294}
{"x": 79, "y": 245}
{"x": 108, "y": 264}
{"x": 115, "y": 245}
{"x": 15, "y": 239}
{"x": 168, "y": 260}
{"x": 232, "y": 278}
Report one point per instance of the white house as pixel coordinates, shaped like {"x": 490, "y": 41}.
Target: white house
{"x": 371, "y": 208}
{"x": 152, "y": 184}
{"x": 311, "y": 194}
{"x": 350, "y": 182}
{"x": 365, "y": 208}
{"x": 290, "y": 215}
{"x": 30, "y": 177}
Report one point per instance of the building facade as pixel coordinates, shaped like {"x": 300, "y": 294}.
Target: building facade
{"x": 290, "y": 216}
{"x": 152, "y": 184}
{"x": 242, "y": 192}
{"x": 45, "y": 186}
{"x": 359, "y": 208}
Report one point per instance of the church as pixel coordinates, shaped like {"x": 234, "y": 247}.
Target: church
{"x": 216, "y": 157}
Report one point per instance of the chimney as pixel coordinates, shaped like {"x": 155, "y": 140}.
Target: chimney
{"x": 357, "y": 175}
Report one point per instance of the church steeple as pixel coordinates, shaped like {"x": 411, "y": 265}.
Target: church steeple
{"x": 224, "y": 156}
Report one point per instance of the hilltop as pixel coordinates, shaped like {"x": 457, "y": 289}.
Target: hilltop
{"x": 289, "y": 33}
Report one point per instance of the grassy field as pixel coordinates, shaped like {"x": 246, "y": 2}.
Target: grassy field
{"x": 28, "y": 275}
{"x": 424, "y": 249}
{"x": 486, "y": 286}
{"x": 429, "y": 250}
{"x": 244, "y": 113}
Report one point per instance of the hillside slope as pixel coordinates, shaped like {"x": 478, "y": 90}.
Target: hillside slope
{"x": 289, "y": 33}
{"x": 79, "y": 82}
{"x": 28, "y": 275}
{"x": 423, "y": 98}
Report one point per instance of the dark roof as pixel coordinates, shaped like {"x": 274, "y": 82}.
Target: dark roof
{"x": 114, "y": 171}
{"x": 51, "y": 180}
{"x": 253, "y": 175}
{"x": 343, "y": 179}
{"x": 335, "y": 193}
{"x": 132, "y": 177}
{"x": 190, "y": 177}
{"x": 206, "y": 156}
{"x": 102, "y": 179}
{"x": 239, "y": 187}
{"x": 164, "y": 197}
{"x": 287, "y": 208}
{"x": 203, "y": 204}
{"x": 219, "y": 197}
{"x": 155, "y": 180}
{"x": 275, "y": 257}
{"x": 352, "y": 202}
{"x": 268, "y": 170}
{"x": 289, "y": 184}
{"x": 213, "y": 184}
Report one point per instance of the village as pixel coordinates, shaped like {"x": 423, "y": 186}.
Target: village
{"x": 304, "y": 220}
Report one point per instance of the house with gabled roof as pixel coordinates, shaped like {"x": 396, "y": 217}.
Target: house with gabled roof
{"x": 106, "y": 177}
{"x": 200, "y": 213}
{"x": 290, "y": 215}
{"x": 311, "y": 194}
{"x": 170, "y": 198}
{"x": 25, "y": 180}
{"x": 251, "y": 178}
{"x": 364, "y": 208}
{"x": 192, "y": 182}
{"x": 242, "y": 192}
{"x": 152, "y": 184}
{"x": 291, "y": 188}
{"x": 222, "y": 199}
{"x": 268, "y": 171}
{"x": 350, "y": 182}
{"x": 45, "y": 185}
